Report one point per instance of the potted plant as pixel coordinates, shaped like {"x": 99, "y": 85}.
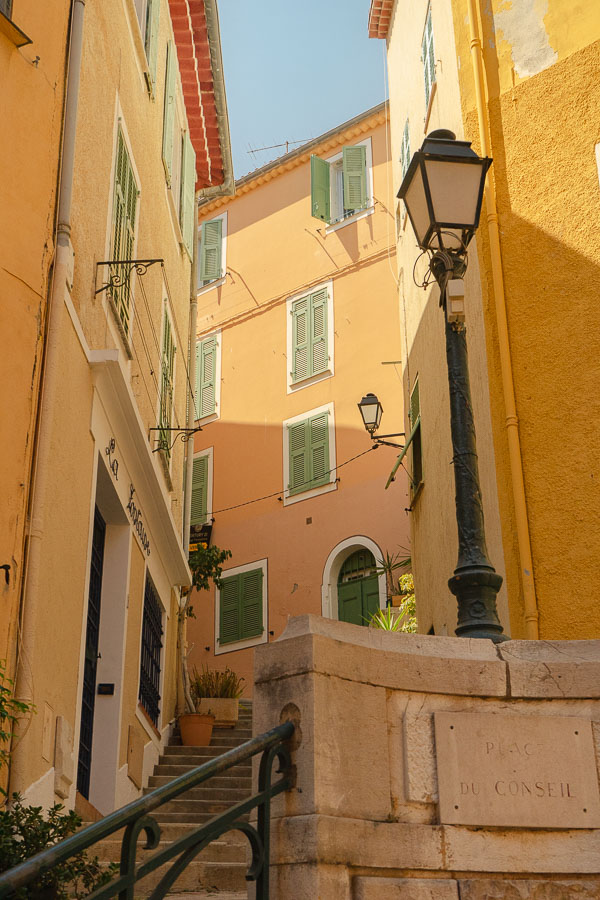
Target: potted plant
{"x": 196, "y": 728}
{"x": 218, "y": 691}
{"x": 390, "y": 563}
{"x": 206, "y": 566}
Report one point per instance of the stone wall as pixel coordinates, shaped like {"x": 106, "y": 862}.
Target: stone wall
{"x": 433, "y": 767}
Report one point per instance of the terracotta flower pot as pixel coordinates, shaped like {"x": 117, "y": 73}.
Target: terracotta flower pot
{"x": 196, "y": 729}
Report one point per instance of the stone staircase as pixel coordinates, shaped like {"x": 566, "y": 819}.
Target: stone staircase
{"x": 218, "y": 872}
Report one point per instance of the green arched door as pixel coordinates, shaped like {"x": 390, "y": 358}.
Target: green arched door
{"x": 358, "y": 588}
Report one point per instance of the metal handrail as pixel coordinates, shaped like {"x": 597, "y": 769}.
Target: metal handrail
{"x": 135, "y": 818}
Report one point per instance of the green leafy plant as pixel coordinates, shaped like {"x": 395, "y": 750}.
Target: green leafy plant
{"x": 213, "y": 683}
{"x": 389, "y": 564}
{"x": 25, "y": 831}
{"x": 206, "y": 565}
{"x": 403, "y": 618}
{"x": 11, "y": 710}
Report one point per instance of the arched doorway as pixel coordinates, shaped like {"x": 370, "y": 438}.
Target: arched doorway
{"x": 333, "y": 566}
{"x": 358, "y": 588}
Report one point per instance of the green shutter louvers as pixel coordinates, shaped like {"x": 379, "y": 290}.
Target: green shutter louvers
{"x": 167, "y": 378}
{"x": 187, "y": 206}
{"x": 308, "y": 445}
{"x": 125, "y": 199}
{"x": 210, "y": 250}
{"x": 199, "y": 505}
{"x": 206, "y": 377}
{"x": 151, "y": 42}
{"x": 241, "y": 606}
{"x": 169, "y": 111}
{"x": 310, "y": 349}
{"x": 354, "y": 165}
{"x": 320, "y": 189}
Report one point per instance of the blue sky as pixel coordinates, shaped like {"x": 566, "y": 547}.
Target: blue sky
{"x": 293, "y": 70}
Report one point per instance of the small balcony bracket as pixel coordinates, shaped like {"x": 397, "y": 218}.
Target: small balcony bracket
{"x": 120, "y": 271}
{"x": 185, "y": 434}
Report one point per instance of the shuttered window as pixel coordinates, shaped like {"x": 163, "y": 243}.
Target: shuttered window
{"x": 308, "y": 447}
{"x": 187, "y": 206}
{"x": 241, "y": 607}
{"x": 310, "y": 353}
{"x": 167, "y": 379}
{"x": 206, "y": 377}
{"x": 151, "y": 42}
{"x": 209, "y": 263}
{"x": 339, "y": 189}
{"x": 169, "y": 111}
{"x": 428, "y": 57}
{"x": 415, "y": 438}
{"x": 405, "y": 150}
{"x": 199, "y": 506}
{"x": 125, "y": 200}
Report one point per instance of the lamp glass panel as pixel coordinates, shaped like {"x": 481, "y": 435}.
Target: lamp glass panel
{"x": 454, "y": 189}
{"x": 416, "y": 202}
{"x": 371, "y": 413}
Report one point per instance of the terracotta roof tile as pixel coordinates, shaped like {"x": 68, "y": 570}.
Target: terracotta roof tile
{"x": 380, "y": 15}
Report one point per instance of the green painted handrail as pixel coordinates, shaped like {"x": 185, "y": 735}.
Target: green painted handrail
{"x": 135, "y": 818}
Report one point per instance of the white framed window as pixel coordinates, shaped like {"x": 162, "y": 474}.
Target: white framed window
{"x": 202, "y": 491}
{"x": 342, "y": 185}
{"x": 212, "y": 253}
{"x": 428, "y": 57}
{"x": 208, "y": 377}
{"x": 166, "y": 397}
{"x": 310, "y": 337}
{"x": 179, "y": 157}
{"x": 241, "y": 608}
{"x": 148, "y": 16}
{"x": 309, "y": 455}
{"x": 404, "y": 164}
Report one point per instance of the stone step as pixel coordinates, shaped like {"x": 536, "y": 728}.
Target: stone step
{"x": 175, "y": 769}
{"x": 202, "y": 895}
{"x": 229, "y": 796}
{"x": 227, "y": 781}
{"x": 214, "y": 806}
{"x": 219, "y": 851}
{"x": 187, "y": 818}
{"x": 199, "y": 876}
{"x": 173, "y": 753}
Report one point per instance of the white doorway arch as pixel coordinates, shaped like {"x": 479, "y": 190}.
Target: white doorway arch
{"x": 331, "y": 571}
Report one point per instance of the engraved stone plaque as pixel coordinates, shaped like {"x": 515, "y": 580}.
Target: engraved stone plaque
{"x": 521, "y": 771}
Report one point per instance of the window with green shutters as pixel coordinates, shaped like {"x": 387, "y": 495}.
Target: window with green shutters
{"x": 125, "y": 201}
{"x": 309, "y": 458}
{"x": 169, "y": 111}
{"x": 428, "y": 57}
{"x": 206, "y": 377}
{"x": 187, "y": 205}
{"x": 340, "y": 186}
{"x": 167, "y": 381}
{"x": 241, "y": 606}
{"x": 415, "y": 438}
{"x": 310, "y": 347}
{"x": 210, "y": 263}
{"x": 148, "y": 13}
{"x": 199, "y": 506}
{"x": 405, "y": 150}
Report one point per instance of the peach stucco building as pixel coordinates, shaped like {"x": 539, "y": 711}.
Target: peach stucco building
{"x": 297, "y": 320}
{"x": 97, "y": 273}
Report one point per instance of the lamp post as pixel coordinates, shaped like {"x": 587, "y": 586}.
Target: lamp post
{"x": 443, "y": 192}
{"x": 371, "y": 411}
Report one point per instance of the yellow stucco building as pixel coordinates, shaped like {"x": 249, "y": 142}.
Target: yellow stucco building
{"x": 93, "y": 629}
{"x": 297, "y": 321}
{"x": 519, "y": 81}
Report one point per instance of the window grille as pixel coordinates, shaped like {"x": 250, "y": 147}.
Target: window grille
{"x": 151, "y": 649}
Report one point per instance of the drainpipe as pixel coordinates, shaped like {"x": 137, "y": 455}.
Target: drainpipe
{"x": 62, "y": 280}
{"x": 511, "y": 420}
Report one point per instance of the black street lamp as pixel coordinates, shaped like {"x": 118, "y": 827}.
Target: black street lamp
{"x": 371, "y": 411}
{"x": 443, "y": 191}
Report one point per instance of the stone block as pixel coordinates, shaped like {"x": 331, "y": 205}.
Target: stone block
{"x": 309, "y": 882}
{"x": 396, "y": 661}
{"x": 526, "y": 889}
{"x": 553, "y": 668}
{"x": 419, "y": 758}
{"x": 366, "y": 888}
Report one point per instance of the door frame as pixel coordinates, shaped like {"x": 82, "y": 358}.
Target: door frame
{"x": 331, "y": 571}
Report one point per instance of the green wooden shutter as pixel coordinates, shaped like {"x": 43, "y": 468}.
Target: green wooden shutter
{"x": 187, "y": 205}
{"x": 300, "y": 339}
{"x": 229, "y": 610}
{"x": 251, "y": 607}
{"x": 298, "y": 457}
{"x": 167, "y": 383}
{"x": 197, "y": 386}
{"x": 318, "y": 332}
{"x": 210, "y": 250}
{"x": 199, "y": 491}
{"x": 207, "y": 384}
{"x": 169, "y": 111}
{"x": 319, "y": 450}
{"x": 151, "y": 42}
{"x": 125, "y": 199}
{"x": 319, "y": 189}
{"x": 415, "y": 405}
{"x": 350, "y": 603}
{"x": 354, "y": 166}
